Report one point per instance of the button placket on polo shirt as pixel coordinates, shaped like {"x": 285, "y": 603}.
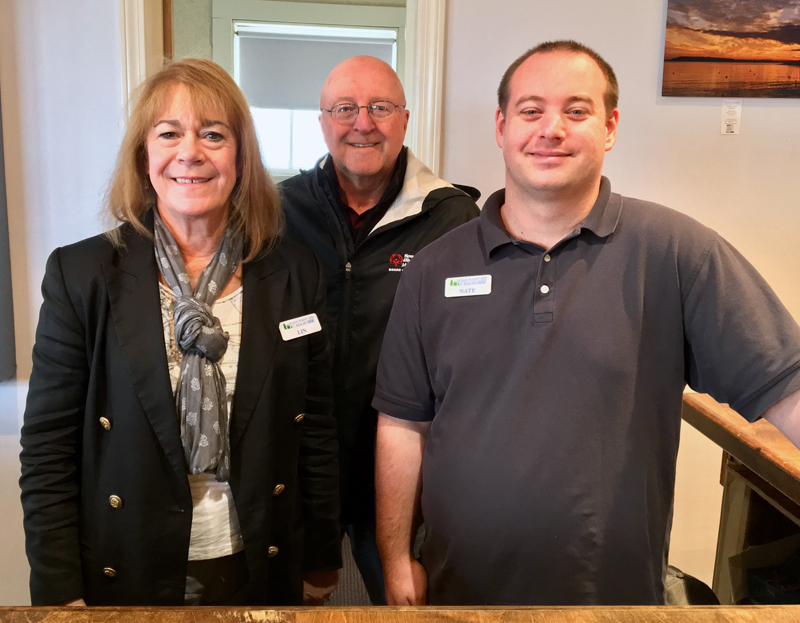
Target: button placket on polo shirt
{"x": 544, "y": 301}
{"x": 544, "y": 297}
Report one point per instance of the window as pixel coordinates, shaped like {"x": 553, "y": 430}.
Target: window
{"x": 280, "y": 54}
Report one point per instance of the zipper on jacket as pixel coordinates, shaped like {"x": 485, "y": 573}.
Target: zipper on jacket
{"x": 343, "y": 341}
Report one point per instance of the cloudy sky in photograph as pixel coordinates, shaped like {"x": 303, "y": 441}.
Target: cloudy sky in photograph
{"x": 739, "y": 29}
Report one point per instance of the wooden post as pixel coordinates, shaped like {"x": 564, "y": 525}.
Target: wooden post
{"x": 169, "y": 51}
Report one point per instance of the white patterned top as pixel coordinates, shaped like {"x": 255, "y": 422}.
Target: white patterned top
{"x": 215, "y": 525}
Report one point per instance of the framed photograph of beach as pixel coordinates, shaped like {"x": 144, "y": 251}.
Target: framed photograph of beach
{"x": 729, "y": 48}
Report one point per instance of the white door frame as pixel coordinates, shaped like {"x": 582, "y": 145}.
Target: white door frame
{"x": 142, "y": 38}
{"x": 425, "y": 38}
{"x": 143, "y": 53}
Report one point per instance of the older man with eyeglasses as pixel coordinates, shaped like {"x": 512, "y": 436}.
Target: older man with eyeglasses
{"x": 365, "y": 209}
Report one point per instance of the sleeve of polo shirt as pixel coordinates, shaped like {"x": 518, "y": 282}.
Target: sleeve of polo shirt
{"x": 403, "y": 388}
{"x": 742, "y": 344}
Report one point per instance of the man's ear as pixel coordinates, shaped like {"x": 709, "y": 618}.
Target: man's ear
{"x": 612, "y": 125}
{"x": 499, "y": 126}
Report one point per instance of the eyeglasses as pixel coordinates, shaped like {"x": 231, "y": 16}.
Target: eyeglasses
{"x": 347, "y": 112}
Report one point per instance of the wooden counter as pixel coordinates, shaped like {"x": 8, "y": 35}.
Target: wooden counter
{"x": 707, "y": 614}
{"x": 761, "y": 480}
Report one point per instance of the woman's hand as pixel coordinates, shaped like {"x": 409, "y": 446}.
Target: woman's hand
{"x": 318, "y": 586}
{"x": 74, "y": 602}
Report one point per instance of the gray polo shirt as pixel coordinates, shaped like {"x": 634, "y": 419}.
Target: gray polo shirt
{"x": 555, "y": 399}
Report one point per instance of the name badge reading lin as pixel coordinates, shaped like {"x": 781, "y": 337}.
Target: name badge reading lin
{"x": 474, "y": 285}
{"x": 298, "y": 327}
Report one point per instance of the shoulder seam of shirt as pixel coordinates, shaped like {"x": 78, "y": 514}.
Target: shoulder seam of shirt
{"x": 413, "y": 299}
{"x": 701, "y": 262}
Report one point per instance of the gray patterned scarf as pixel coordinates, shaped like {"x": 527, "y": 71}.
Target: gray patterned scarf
{"x": 200, "y": 399}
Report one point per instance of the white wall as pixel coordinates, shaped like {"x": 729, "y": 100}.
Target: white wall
{"x": 61, "y": 86}
{"x": 670, "y": 150}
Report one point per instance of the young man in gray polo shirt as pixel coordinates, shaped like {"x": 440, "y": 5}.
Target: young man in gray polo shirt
{"x": 531, "y": 376}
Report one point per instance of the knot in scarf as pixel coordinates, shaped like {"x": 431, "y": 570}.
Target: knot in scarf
{"x": 198, "y": 331}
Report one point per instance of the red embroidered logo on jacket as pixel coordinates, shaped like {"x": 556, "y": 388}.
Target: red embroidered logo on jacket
{"x": 398, "y": 262}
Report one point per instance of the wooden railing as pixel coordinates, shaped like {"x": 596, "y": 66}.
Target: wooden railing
{"x": 758, "y": 445}
{"x": 761, "y": 492}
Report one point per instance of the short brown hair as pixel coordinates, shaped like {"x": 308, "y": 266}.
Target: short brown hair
{"x": 255, "y": 210}
{"x": 611, "y": 95}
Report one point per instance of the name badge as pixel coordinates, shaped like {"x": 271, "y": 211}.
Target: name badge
{"x": 298, "y": 327}
{"x": 474, "y": 285}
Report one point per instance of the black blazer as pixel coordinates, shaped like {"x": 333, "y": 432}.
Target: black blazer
{"x": 100, "y": 353}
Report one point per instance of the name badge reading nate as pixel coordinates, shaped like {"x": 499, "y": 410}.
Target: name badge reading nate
{"x": 474, "y": 285}
{"x": 298, "y": 327}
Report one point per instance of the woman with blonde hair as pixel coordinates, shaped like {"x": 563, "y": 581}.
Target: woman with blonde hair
{"x": 178, "y": 444}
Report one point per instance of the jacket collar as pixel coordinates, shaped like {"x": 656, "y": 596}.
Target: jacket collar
{"x": 417, "y": 183}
